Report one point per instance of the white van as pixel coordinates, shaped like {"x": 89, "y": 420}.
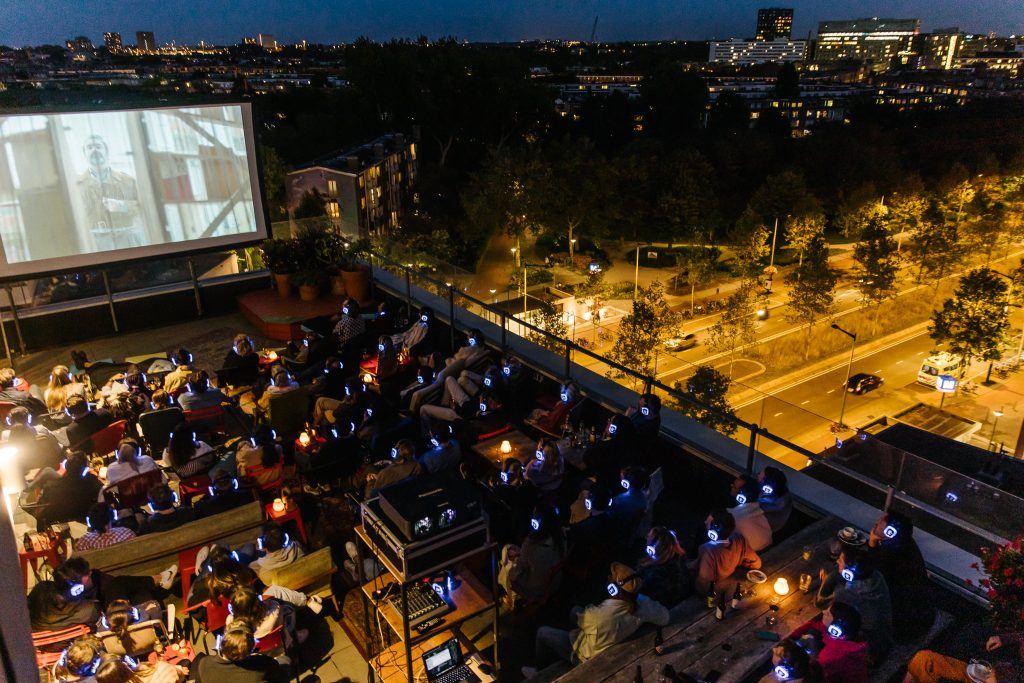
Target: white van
{"x": 939, "y": 364}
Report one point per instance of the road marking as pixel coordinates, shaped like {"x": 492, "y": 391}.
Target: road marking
{"x": 776, "y": 414}
{"x": 830, "y": 391}
{"x": 805, "y": 402}
{"x": 898, "y": 362}
{"x": 879, "y": 370}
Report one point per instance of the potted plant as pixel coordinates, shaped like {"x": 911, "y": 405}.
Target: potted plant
{"x": 282, "y": 259}
{"x": 356, "y": 272}
{"x": 331, "y": 254}
{"x": 308, "y": 281}
{"x": 1003, "y": 584}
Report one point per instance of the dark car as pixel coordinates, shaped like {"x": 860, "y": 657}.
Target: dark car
{"x": 862, "y": 383}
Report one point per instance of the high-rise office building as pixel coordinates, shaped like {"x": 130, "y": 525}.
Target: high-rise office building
{"x": 112, "y": 41}
{"x": 866, "y": 40}
{"x": 940, "y": 48}
{"x": 748, "y": 52}
{"x": 145, "y": 42}
{"x": 774, "y": 23}
{"x": 267, "y": 41}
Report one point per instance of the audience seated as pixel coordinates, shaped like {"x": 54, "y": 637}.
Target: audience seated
{"x": 79, "y": 660}
{"x": 120, "y": 614}
{"x": 663, "y": 569}
{"x": 85, "y": 422}
{"x": 600, "y": 626}
{"x": 895, "y": 554}
{"x": 11, "y": 394}
{"x": 242, "y": 355}
{"x": 50, "y": 608}
{"x": 48, "y": 443}
{"x": 60, "y": 388}
{"x": 101, "y": 531}
{"x": 792, "y": 664}
{"x": 175, "y": 380}
{"x": 281, "y": 382}
{"x": 280, "y": 550}
{"x": 835, "y": 644}
{"x": 63, "y": 496}
{"x": 237, "y": 661}
{"x": 775, "y": 499}
{"x": 186, "y": 455}
{"x": 420, "y": 339}
{"x": 553, "y": 421}
{"x": 751, "y": 521}
{"x": 445, "y": 453}
{"x": 928, "y": 666}
{"x": 646, "y": 415}
{"x": 339, "y": 457}
{"x": 628, "y": 507}
{"x": 616, "y": 448}
{"x": 78, "y": 581}
{"x": 226, "y": 493}
{"x": 33, "y": 452}
{"x": 527, "y": 571}
{"x": 724, "y": 552}
{"x": 547, "y": 468}
{"x": 510, "y": 502}
{"x": 166, "y": 514}
{"x": 856, "y": 582}
{"x": 403, "y": 464}
{"x": 263, "y": 615}
{"x": 259, "y": 459}
{"x": 131, "y": 461}
{"x": 330, "y": 410}
{"x": 113, "y": 668}
{"x": 199, "y": 394}
{"x": 350, "y": 325}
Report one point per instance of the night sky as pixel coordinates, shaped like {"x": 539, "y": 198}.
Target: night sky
{"x": 33, "y": 22}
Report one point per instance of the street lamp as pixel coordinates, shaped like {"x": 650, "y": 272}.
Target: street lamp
{"x": 572, "y": 245}
{"x": 992, "y": 439}
{"x": 849, "y": 367}
{"x": 515, "y": 256}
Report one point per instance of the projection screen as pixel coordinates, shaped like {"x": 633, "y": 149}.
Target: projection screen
{"x": 94, "y": 188}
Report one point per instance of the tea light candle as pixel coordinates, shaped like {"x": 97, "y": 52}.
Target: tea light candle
{"x": 367, "y": 378}
{"x": 506, "y": 447}
{"x": 278, "y": 505}
{"x": 781, "y": 586}
{"x": 272, "y": 355}
{"x": 304, "y": 439}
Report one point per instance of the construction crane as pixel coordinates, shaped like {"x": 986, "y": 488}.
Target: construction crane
{"x": 593, "y": 32}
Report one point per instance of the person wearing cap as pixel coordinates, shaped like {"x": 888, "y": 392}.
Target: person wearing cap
{"x": 750, "y": 519}
{"x": 724, "y": 553}
{"x": 774, "y": 498}
{"x": 894, "y": 552}
{"x": 600, "y": 626}
{"x": 837, "y": 647}
{"x": 663, "y": 567}
{"x": 856, "y": 582}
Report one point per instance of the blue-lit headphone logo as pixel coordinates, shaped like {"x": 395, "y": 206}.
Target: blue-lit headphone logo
{"x": 612, "y": 428}
{"x": 625, "y": 484}
{"x": 487, "y": 381}
{"x": 645, "y": 411}
{"x": 506, "y": 371}
{"x": 613, "y": 589}
{"x": 782, "y": 673}
{"x": 834, "y": 630}
{"x": 952, "y": 497}
{"x": 423, "y": 318}
{"x": 472, "y": 341}
{"x": 847, "y": 575}
{"x": 434, "y": 441}
{"x": 741, "y": 499}
{"x": 589, "y": 504}
{"x": 483, "y": 407}
{"x": 380, "y": 347}
{"x": 394, "y": 452}
{"x": 651, "y": 551}
{"x": 420, "y": 379}
{"x": 76, "y": 590}
{"x": 889, "y": 531}
{"x": 564, "y": 396}
{"x": 539, "y": 454}
{"x": 535, "y": 524}
{"x": 504, "y": 477}
{"x": 713, "y": 534}
{"x": 767, "y": 490}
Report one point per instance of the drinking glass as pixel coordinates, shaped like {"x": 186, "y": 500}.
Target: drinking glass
{"x": 805, "y": 583}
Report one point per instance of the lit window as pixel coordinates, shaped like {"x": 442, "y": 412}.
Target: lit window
{"x": 332, "y": 188}
{"x": 332, "y": 210}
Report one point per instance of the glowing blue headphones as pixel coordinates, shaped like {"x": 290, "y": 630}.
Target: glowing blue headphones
{"x": 369, "y": 412}
{"x": 952, "y": 497}
{"x": 483, "y": 406}
{"x": 624, "y": 483}
{"x": 344, "y": 309}
{"x": 380, "y": 347}
{"x": 423, "y": 318}
{"x": 213, "y": 489}
{"x": 612, "y": 428}
{"x": 848, "y": 574}
{"x": 88, "y": 522}
{"x": 420, "y": 379}
{"x": 85, "y": 670}
{"x": 506, "y": 370}
{"x": 535, "y": 523}
{"x": 767, "y": 489}
{"x": 890, "y": 531}
{"x": 472, "y": 341}
{"x": 434, "y": 441}
{"x": 76, "y": 589}
{"x": 834, "y": 630}
{"x": 287, "y": 541}
{"x": 133, "y": 611}
{"x": 615, "y": 586}
{"x": 348, "y": 392}
{"x": 564, "y": 395}
{"x": 715, "y": 531}
{"x": 741, "y": 499}
{"x": 539, "y": 454}
{"x": 651, "y": 551}
{"x": 645, "y": 411}
{"x": 783, "y": 672}
{"x": 394, "y": 452}
{"x": 588, "y": 504}
{"x": 504, "y": 477}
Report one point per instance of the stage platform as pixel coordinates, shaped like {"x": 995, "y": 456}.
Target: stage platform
{"x": 278, "y": 318}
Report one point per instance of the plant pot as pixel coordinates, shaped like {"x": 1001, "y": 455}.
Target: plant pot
{"x": 283, "y": 284}
{"x": 338, "y": 285}
{"x": 357, "y": 283}
{"x": 309, "y": 292}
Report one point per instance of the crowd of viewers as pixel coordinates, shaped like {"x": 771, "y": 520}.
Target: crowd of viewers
{"x": 387, "y": 405}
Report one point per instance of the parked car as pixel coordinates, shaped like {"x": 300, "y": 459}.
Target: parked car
{"x": 862, "y": 382}
{"x": 683, "y": 343}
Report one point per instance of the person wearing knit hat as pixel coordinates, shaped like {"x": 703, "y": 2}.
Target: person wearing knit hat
{"x": 600, "y": 626}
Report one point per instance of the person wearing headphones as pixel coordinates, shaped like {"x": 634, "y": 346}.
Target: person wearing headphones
{"x": 263, "y": 615}
{"x": 894, "y": 552}
{"x": 616, "y": 449}
{"x": 791, "y": 664}
{"x": 445, "y": 453}
{"x": 77, "y": 580}
{"x": 546, "y": 469}
{"x": 101, "y": 530}
{"x": 260, "y": 458}
{"x": 750, "y": 519}
{"x": 186, "y": 455}
{"x": 663, "y": 567}
{"x": 402, "y": 465}
{"x": 281, "y": 382}
{"x": 166, "y": 515}
{"x": 724, "y": 552}
{"x": 61, "y": 386}
{"x": 774, "y": 498}
{"x": 121, "y": 614}
{"x": 280, "y": 551}
{"x": 199, "y": 394}
{"x": 48, "y": 443}
{"x": 237, "y": 661}
{"x": 51, "y": 607}
{"x": 552, "y": 421}
{"x": 131, "y": 461}
{"x": 600, "y": 626}
{"x": 11, "y": 394}
{"x": 226, "y": 493}
{"x": 509, "y": 503}
{"x": 628, "y": 507}
{"x": 84, "y": 422}
{"x": 418, "y": 340}
{"x": 33, "y": 453}
{"x": 856, "y": 582}
{"x": 176, "y": 379}
{"x": 840, "y": 653}
{"x": 113, "y": 668}
{"x": 526, "y": 571}
{"x": 79, "y": 659}
{"x": 646, "y": 415}
{"x": 589, "y": 523}
{"x": 350, "y": 324}
{"x": 63, "y": 496}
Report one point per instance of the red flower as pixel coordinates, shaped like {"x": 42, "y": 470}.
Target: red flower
{"x": 1008, "y": 572}
{"x": 968, "y": 582}
{"x": 974, "y": 565}
{"x": 992, "y": 593}
{"x": 1019, "y": 583}
{"x": 985, "y": 583}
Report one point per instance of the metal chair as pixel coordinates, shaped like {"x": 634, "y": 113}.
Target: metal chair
{"x": 106, "y": 440}
{"x": 156, "y": 427}
{"x": 289, "y": 411}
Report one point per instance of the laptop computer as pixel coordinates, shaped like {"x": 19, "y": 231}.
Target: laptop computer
{"x": 444, "y": 664}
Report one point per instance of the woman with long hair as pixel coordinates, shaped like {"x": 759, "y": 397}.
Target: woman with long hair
{"x": 62, "y": 385}
{"x": 188, "y": 456}
{"x": 264, "y": 614}
{"x": 663, "y": 568}
{"x": 118, "y": 669}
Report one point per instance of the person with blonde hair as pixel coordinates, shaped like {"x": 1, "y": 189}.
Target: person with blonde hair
{"x": 61, "y": 386}
{"x": 117, "y": 669}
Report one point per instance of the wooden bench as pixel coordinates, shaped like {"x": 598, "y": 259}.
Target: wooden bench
{"x": 152, "y": 553}
{"x": 310, "y": 574}
{"x": 693, "y": 633}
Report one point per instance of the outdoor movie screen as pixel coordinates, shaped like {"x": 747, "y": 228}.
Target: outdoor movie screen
{"x": 94, "y": 188}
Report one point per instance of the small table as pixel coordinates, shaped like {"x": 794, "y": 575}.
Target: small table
{"x": 284, "y": 516}
{"x": 523, "y": 448}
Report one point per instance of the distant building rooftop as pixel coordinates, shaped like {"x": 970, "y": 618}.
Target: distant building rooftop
{"x": 357, "y": 158}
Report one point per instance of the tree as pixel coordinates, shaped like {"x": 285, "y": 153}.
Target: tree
{"x": 735, "y": 327}
{"x": 311, "y": 205}
{"x": 750, "y": 242}
{"x": 499, "y": 197}
{"x": 274, "y": 173}
{"x": 550, "y": 320}
{"x": 787, "y": 83}
{"x": 974, "y": 322}
{"x": 729, "y": 114}
{"x": 878, "y": 266}
{"x": 812, "y": 289}
{"x": 708, "y": 389}
{"x": 641, "y": 331}
{"x": 936, "y": 250}
{"x": 905, "y": 213}
{"x": 700, "y": 266}
{"x": 856, "y": 209}
{"x": 688, "y": 203}
{"x": 568, "y": 192}
{"x": 803, "y": 230}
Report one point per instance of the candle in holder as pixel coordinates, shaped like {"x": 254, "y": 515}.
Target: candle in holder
{"x": 367, "y": 378}
{"x": 781, "y": 586}
{"x": 506, "y": 447}
{"x": 304, "y": 439}
{"x": 272, "y": 355}
{"x": 278, "y": 505}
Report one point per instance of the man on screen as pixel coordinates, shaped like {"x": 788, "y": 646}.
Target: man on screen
{"x": 111, "y": 200}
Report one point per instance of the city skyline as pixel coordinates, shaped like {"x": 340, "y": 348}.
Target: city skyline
{"x": 322, "y": 21}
